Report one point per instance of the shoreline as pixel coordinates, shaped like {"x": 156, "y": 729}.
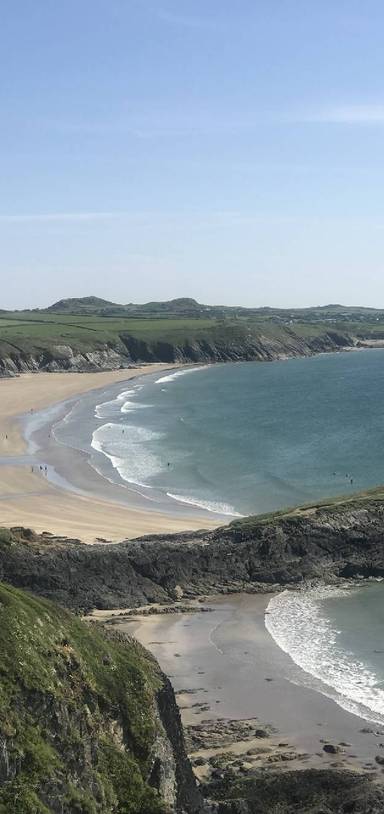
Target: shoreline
{"x": 225, "y": 667}
{"x": 66, "y": 475}
{"x": 76, "y": 501}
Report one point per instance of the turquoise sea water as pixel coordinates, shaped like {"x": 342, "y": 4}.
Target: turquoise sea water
{"x": 249, "y": 437}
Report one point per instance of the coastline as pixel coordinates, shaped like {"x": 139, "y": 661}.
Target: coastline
{"x": 224, "y": 664}
{"x": 76, "y": 501}
{"x": 38, "y": 400}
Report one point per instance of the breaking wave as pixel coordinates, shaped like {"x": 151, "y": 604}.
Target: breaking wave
{"x": 129, "y": 450}
{"x": 209, "y": 505}
{"x": 172, "y": 376}
{"x": 298, "y": 623}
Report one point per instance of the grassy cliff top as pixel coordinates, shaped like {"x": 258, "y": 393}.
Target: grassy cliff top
{"x": 366, "y": 500}
{"x": 90, "y": 323}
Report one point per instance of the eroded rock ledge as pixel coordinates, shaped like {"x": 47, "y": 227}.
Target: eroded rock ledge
{"x": 339, "y": 540}
{"x": 126, "y": 350}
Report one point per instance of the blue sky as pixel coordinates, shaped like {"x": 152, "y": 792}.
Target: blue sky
{"x": 231, "y": 152}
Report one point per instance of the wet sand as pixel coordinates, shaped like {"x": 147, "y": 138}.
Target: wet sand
{"x": 35, "y": 391}
{"x": 233, "y": 666}
{"x": 30, "y": 500}
{"x": 49, "y": 487}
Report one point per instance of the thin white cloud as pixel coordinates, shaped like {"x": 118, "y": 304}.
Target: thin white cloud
{"x": 60, "y": 216}
{"x": 347, "y": 114}
{"x": 197, "y": 218}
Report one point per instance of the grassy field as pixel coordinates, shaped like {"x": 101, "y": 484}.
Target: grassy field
{"x": 35, "y": 332}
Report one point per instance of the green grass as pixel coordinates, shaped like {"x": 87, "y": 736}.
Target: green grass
{"x": 62, "y": 685}
{"x": 44, "y": 332}
{"x": 341, "y": 503}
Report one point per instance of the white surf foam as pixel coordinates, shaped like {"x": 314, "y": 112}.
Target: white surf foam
{"x": 297, "y": 624}
{"x": 108, "y": 408}
{"x": 129, "y": 406}
{"x": 129, "y": 450}
{"x": 172, "y": 376}
{"x": 209, "y": 505}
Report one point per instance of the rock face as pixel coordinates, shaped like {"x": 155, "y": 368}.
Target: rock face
{"x": 88, "y": 723}
{"x": 62, "y": 357}
{"x": 256, "y": 554}
{"x": 303, "y": 792}
{"x": 128, "y": 349}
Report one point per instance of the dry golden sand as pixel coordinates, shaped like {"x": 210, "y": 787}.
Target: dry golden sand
{"x": 28, "y": 499}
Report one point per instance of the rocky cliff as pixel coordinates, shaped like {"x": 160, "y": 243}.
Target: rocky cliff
{"x": 88, "y": 723}
{"x": 222, "y": 345}
{"x": 330, "y": 541}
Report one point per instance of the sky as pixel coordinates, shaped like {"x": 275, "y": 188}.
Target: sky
{"x": 226, "y": 151}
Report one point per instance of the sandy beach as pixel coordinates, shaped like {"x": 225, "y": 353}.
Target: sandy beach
{"x": 35, "y": 391}
{"x": 85, "y": 506}
{"x": 224, "y": 664}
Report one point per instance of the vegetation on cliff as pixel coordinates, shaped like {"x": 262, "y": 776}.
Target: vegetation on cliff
{"x": 88, "y": 723}
{"x": 89, "y": 333}
{"x": 79, "y": 723}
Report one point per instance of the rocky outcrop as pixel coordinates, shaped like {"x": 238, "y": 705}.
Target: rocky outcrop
{"x": 88, "y": 723}
{"x": 307, "y": 791}
{"x": 339, "y": 540}
{"x": 62, "y": 357}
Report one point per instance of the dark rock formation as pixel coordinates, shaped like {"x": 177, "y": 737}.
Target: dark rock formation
{"x": 308, "y": 791}
{"x": 338, "y": 540}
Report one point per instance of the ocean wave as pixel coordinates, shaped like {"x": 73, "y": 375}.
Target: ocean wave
{"x": 172, "y": 376}
{"x": 108, "y": 408}
{"x": 297, "y": 623}
{"x": 209, "y": 505}
{"x": 128, "y": 449}
{"x": 128, "y": 406}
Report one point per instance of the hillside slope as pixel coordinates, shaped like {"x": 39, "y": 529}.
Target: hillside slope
{"x": 88, "y": 723}
{"x": 89, "y": 333}
{"x": 61, "y": 342}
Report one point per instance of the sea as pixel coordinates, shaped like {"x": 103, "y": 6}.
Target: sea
{"x": 336, "y": 637}
{"x": 248, "y": 438}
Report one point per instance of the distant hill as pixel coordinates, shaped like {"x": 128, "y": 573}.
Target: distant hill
{"x": 182, "y": 306}
{"x": 80, "y": 304}
{"x": 189, "y": 308}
